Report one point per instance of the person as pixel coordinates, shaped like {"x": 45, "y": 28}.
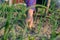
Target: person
{"x": 30, "y": 12}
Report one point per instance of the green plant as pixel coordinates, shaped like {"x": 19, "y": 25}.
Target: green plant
{"x": 16, "y": 14}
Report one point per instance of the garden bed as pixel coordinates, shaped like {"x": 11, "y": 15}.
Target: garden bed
{"x": 12, "y": 21}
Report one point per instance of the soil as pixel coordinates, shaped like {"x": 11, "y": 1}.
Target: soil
{"x": 44, "y": 31}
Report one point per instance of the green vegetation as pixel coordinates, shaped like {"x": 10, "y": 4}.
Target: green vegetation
{"x": 12, "y": 16}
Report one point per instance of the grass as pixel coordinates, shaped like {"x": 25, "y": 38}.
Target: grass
{"x": 16, "y": 15}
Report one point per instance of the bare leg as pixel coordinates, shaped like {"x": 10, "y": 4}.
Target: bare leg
{"x": 30, "y": 12}
{"x": 30, "y": 18}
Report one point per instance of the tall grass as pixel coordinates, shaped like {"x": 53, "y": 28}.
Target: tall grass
{"x": 14, "y": 14}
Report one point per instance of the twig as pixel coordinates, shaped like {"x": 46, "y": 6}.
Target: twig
{"x": 48, "y": 5}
